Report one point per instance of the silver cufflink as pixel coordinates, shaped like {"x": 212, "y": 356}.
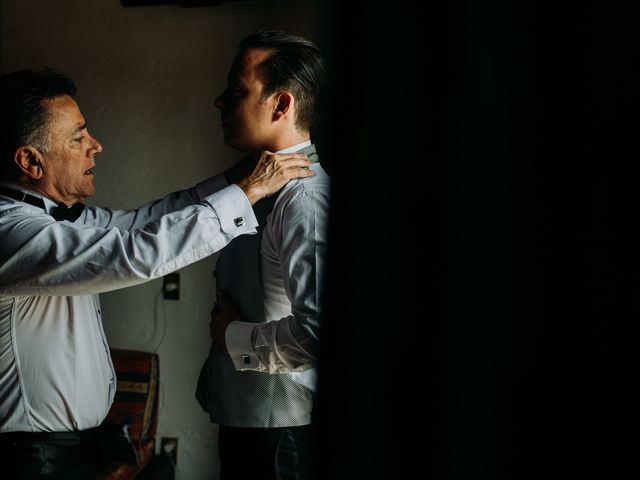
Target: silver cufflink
{"x": 239, "y": 221}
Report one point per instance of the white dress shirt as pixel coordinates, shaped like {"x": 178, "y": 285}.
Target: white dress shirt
{"x": 293, "y": 253}
{"x": 55, "y": 368}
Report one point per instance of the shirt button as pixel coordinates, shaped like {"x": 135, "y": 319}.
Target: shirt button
{"x": 239, "y": 221}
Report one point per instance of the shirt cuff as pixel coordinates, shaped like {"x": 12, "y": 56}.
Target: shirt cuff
{"x": 238, "y": 340}
{"x": 234, "y": 210}
{"x": 211, "y": 185}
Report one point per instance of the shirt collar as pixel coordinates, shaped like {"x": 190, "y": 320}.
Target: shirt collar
{"x": 295, "y": 148}
{"x": 49, "y": 204}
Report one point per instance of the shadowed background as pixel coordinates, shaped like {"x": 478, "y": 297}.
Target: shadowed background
{"x": 483, "y": 266}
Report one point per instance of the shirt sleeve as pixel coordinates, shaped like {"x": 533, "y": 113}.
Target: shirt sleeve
{"x": 139, "y": 217}
{"x": 43, "y": 257}
{"x": 290, "y": 344}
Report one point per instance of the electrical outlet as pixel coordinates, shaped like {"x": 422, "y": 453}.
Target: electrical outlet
{"x": 171, "y": 286}
{"x": 169, "y": 448}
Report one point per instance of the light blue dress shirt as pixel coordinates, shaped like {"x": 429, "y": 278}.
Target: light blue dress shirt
{"x": 267, "y": 380}
{"x": 293, "y": 256}
{"x": 55, "y": 368}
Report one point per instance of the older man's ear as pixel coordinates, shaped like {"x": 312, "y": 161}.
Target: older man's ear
{"x": 29, "y": 161}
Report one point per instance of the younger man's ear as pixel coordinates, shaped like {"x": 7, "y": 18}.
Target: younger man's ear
{"x": 28, "y": 160}
{"x": 284, "y": 102}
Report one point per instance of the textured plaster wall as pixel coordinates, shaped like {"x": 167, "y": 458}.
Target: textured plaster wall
{"x": 147, "y": 78}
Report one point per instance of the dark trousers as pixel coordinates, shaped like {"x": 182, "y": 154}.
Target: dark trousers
{"x": 47, "y": 455}
{"x": 265, "y": 453}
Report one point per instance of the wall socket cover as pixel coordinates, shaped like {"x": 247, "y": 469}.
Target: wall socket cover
{"x": 171, "y": 286}
{"x": 169, "y": 447}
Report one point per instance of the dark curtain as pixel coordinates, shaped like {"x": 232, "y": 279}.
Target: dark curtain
{"x": 483, "y": 272}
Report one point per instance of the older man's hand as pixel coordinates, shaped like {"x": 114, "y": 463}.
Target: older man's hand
{"x": 272, "y": 172}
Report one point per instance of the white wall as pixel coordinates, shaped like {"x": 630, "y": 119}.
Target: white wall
{"x": 147, "y": 78}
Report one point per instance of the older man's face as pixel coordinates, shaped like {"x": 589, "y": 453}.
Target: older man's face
{"x": 69, "y": 162}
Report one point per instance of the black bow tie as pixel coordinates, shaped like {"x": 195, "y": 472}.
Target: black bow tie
{"x": 61, "y": 212}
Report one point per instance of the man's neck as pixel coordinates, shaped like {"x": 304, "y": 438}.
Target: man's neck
{"x": 27, "y": 184}
{"x": 283, "y": 143}
{"x": 45, "y": 190}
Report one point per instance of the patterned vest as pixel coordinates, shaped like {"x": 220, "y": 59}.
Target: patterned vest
{"x": 248, "y": 398}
